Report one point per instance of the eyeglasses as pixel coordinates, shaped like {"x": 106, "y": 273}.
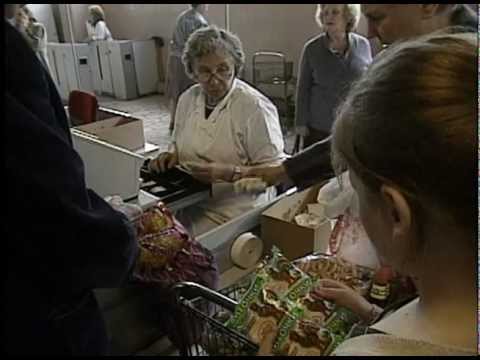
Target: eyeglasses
{"x": 221, "y": 73}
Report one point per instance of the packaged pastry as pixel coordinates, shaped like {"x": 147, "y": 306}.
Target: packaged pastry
{"x": 340, "y": 323}
{"x": 280, "y": 297}
{"x": 321, "y": 266}
{"x": 266, "y": 313}
{"x": 316, "y": 310}
{"x": 242, "y": 315}
{"x": 168, "y": 254}
{"x": 299, "y": 337}
{"x": 152, "y": 222}
{"x": 263, "y": 303}
{"x": 308, "y": 339}
{"x": 282, "y": 274}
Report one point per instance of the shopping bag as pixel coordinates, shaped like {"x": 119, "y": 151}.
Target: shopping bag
{"x": 169, "y": 254}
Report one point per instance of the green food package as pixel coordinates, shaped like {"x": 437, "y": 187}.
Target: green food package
{"x": 299, "y": 337}
{"x": 340, "y": 323}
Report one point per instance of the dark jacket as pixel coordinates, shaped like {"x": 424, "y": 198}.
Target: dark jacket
{"x": 62, "y": 240}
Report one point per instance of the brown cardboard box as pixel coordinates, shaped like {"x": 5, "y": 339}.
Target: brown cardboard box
{"x": 279, "y": 227}
{"x": 123, "y": 131}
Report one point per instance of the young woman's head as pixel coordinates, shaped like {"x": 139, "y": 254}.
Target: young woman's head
{"x": 407, "y": 133}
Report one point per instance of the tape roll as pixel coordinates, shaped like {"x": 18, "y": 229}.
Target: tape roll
{"x": 246, "y": 250}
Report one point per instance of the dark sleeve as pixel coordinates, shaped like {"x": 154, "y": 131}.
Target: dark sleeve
{"x": 310, "y": 166}
{"x": 55, "y": 224}
{"x": 58, "y": 231}
{"x": 302, "y": 113}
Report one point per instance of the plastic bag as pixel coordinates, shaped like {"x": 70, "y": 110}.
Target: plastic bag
{"x": 168, "y": 254}
{"x": 348, "y": 239}
{"x": 131, "y": 211}
{"x": 336, "y": 195}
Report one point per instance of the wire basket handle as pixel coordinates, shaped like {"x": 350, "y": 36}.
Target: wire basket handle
{"x": 190, "y": 290}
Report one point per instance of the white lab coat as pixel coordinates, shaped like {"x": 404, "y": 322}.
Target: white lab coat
{"x": 99, "y": 32}
{"x": 243, "y": 129}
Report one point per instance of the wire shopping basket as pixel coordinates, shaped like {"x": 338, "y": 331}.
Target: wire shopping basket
{"x": 200, "y": 316}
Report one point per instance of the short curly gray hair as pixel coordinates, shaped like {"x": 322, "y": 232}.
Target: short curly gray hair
{"x": 211, "y": 40}
{"x": 352, "y": 13}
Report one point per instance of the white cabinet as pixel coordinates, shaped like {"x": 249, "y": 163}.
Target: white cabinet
{"x": 84, "y": 67}
{"x": 63, "y": 66}
{"x": 145, "y": 55}
{"x": 123, "y": 69}
{"x": 105, "y": 69}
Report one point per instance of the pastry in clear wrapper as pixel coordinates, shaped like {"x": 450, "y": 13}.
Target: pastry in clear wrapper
{"x": 297, "y": 336}
{"x": 153, "y": 222}
{"x": 316, "y": 310}
{"x": 280, "y": 297}
{"x": 309, "y": 339}
{"x": 323, "y": 266}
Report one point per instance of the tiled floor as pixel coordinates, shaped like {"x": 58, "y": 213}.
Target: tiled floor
{"x": 153, "y": 110}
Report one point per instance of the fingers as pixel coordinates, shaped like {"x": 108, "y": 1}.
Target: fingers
{"x": 153, "y": 165}
{"x": 330, "y": 290}
{"x": 164, "y": 158}
{"x": 329, "y": 293}
{"x": 329, "y": 283}
{"x": 171, "y": 161}
{"x": 163, "y": 162}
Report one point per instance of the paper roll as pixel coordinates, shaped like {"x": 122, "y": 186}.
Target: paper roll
{"x": 246, "y": 250}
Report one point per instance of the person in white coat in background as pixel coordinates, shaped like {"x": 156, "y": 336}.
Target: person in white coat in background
{"x": 34, "y": 32}
{"x": 97, "y": 28}
{"x": 223, "y": 128}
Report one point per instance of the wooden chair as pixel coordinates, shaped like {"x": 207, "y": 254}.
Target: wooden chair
{"x": 82, "y": 107}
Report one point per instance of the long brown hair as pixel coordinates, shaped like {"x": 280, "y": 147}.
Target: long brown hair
{"x": 411, "y": 121}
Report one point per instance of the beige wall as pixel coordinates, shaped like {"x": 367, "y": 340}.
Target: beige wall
{"x": 278, "y": 27}
{"x": 78, "y": 15}
{"x": 142, "y": 21}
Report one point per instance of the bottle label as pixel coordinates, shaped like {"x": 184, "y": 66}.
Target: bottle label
{"x": 380, "y": 292}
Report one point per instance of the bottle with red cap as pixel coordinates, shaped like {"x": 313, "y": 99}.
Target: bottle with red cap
{"x": 380, "y": 290}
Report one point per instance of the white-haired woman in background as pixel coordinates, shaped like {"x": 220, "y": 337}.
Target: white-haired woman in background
{"x": 96, "y": 25}
{"x": 330, "y": 63}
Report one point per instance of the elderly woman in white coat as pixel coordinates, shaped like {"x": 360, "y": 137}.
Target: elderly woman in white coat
{"x": 223, "y": 128}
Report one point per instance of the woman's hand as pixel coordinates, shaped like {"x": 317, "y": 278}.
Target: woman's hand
{"x": 211, "y": 172}
{"x": 344, "y": 296}
{"x": 163, "y": 162}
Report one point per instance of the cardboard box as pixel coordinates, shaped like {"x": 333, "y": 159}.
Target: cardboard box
{"x": 104, "y": 113}
{"x": 123, "y": 131}
{"x": 279, "y": 227}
